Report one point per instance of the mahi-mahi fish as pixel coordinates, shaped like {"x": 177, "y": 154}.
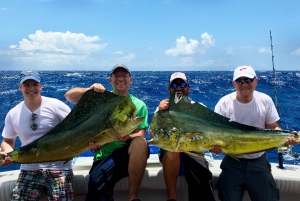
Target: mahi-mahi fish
{"x": 97, "y": 117}
{"x": 188, "y": 126}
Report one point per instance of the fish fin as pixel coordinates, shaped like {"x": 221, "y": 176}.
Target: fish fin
{"x": 185, "y": 106}
{"x": 88, "y": 104}
{"x": 195, "y": 154}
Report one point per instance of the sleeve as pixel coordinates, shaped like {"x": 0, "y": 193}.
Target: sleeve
{"x": 143, "y": 112}
{"x": 272, "y": 115}
{"x": 219, "y": 106}
{"x": 9, "y": 131}
{"x": 62, "y": 110}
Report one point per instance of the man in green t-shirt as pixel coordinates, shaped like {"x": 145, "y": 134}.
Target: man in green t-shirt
{"x": 126, "y": 156}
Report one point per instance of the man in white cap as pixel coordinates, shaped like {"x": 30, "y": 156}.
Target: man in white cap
{"x": 29, "y": 120}
{"x": 195, "y": 170}
{"x": 127, "y": 156}
{"x": 251, "y": 171}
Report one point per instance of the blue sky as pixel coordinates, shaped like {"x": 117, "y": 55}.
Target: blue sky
{"x": 164, "y": 35}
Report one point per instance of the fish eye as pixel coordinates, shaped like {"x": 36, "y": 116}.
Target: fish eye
{"x": 174, "y": 129}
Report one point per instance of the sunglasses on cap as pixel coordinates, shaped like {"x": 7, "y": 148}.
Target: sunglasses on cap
{"x": 241, "y": 81}
{"x": 175, "y": 85}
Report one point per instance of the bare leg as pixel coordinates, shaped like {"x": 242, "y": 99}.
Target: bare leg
{"x": 138, "y": 153}
{"x": 171, "y": 165}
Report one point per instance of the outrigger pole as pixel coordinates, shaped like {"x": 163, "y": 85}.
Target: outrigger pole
{"x": 274, "y": 75}
{"x": 280, "y": 150}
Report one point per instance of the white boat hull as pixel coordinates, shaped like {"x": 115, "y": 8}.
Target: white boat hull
{"x": 153, "y": 186}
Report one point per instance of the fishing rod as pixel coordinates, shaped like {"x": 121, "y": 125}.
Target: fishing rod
{"x": 274, "y": 76}
{"x": 280, "y": 150}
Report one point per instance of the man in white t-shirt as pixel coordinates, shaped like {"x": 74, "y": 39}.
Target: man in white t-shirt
{"x": 29, "y": 120}
{"x": 251, "y": 171}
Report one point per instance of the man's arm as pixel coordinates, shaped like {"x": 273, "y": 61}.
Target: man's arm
{"x": 163, "y": 105}
{"x": 7, "y": 146}
{"x": 273, "y": 126}
{"x": 290, "y": 140}
{"x": 75, "y": 94}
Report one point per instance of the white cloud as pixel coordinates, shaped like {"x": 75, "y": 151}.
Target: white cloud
{"x": 59, "y": 42}
{"x": 296, "y": 52}
{"x": 207, "y": 42}
{"x": 230, "y": 51}
{"x": 183, "y": 48}
{"x": 119, "y": 53}
{"x": 265, "y": 50}
{"x": 13, "y": 46}
{"x": 55, "y": 49}
{"x": 120, "y": 56}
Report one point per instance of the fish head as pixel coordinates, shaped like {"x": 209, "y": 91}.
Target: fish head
{"x": 123, "y": 117}
{"x": 162, "y": 134}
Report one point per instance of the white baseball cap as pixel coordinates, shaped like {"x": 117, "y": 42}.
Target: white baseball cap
{"x": 178, "y": 75}
{"x": 244, "y": 71}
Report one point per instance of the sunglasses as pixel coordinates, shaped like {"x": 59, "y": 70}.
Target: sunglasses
{"x": 175, "y": 85}
{"x": 33, "y": 125}
{"x": 121, "y": 76}
{"x": 241, "y": 81}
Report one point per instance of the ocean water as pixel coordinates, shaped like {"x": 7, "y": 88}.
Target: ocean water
{"x": 206, "y": 87}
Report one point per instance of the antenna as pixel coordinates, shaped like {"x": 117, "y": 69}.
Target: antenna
{"x": 274, "y": 75}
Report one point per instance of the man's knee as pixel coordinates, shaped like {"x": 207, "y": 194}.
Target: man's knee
{"x": 141, "y": 141}
{"x": 138, "y": 144}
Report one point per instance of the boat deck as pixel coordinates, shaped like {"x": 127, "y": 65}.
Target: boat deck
{"x": 153, "y": 186}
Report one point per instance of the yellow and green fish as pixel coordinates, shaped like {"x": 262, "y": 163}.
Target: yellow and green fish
{"x": 97, "y": 117}
{"x": 188, "y": 126}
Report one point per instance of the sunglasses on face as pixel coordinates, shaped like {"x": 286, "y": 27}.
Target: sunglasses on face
{"x": 241, "y": 81}
{"x": 181, "y": 85}
{"x": 33, "y": 125}
{"x": 121, "y": 76}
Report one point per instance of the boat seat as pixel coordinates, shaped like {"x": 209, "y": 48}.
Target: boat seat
{"x": 288, "y": 181}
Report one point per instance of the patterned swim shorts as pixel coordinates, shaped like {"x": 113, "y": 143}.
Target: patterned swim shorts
{"x": 56, "y": 184}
